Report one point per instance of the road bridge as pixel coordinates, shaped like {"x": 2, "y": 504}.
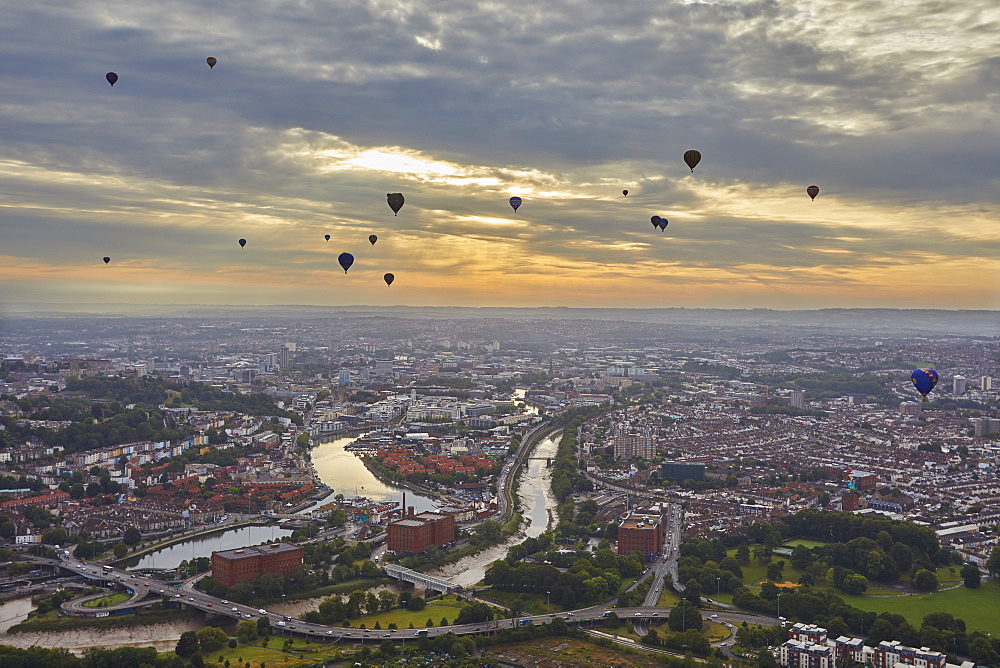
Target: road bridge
{"x": 426, "y": 581}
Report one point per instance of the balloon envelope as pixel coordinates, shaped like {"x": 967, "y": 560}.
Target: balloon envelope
{"x": 395, "y": 201}
{"x": 372, "y": 238}
{"x": 106, "y": 260}
{"x": 326, "y": 236}
{"x": 655, "y": 220}
{"x": 211, "y": 61}
{"x": 243, "y": 242}
{"x": 812, "y": 191}
{"x": 111, "y": 77}
{"x": 345, "y": 260}
{"x": 625, "y": 192}
{"x": 515, "y": 202}
{"x": 663, "y": 224}
{"x": 389, "y": 278}
{"x": 692, "y": 158}
{"x": 924, "y": 380}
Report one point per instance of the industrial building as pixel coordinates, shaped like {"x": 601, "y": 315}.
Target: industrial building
{"x": 418, "y": 531}
{"x": 249, "y": 563}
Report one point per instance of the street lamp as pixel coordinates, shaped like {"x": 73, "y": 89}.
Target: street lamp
{"x": 548, "y": 601}
{"x": 718, "y": 586}
{"x": 779, "y": 606}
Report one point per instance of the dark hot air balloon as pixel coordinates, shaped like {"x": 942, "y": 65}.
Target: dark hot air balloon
{"x": 112, "y": 78}
{"x": 692, "y": 158}
{"x": 211, "y": 62}
{"x": 372, "y": 238}
{"x": 345, "y": 260}
{"x": 663, "y": 224}
{"x": 107, "y": 259}
{"x": 515, "y": 202}
{"x": 389, "y": 278}
{"x": 625, "y": 193}
{"x": 655, "y": 220}
{"x": 812, "y": 191}
{"x": 395, "y": 201}
{"x": 924, "y": 380}
{"x": 326, "y": 236}
{"x": 243, "y": 242}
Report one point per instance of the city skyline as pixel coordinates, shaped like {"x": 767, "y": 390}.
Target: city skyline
{"x": 313, "y": 113}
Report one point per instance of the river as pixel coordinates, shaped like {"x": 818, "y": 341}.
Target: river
{"x": 171, "y": 557}
{"x": 346, "y": 474}
{"x": 537, "y": 503}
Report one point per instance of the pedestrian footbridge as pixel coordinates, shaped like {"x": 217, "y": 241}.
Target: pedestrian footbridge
{"x": 426, "y": 581}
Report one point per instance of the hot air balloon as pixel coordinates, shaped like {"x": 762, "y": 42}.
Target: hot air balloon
{"x": 395, "y": 201}
{"x": 625, "y": 193}
{"x": 663, "y": 224}
{"x": 107, "y": 259}
{"x": 326, "y": 236}
{"x": 111, "y": 77}
{"x": 389, "y": 278}
{"x": 345, "y": 260}
{"x": 812, "y": 191}
{"x": 655, "y": 220}
{"x": 515, "y": 202}
{"x": 211, "y": 62}
{"x": 243, "y": 242}
{"x": 692, "y": 158}
{"x": 924, "y": 380}
{"x": 372, "y": 238}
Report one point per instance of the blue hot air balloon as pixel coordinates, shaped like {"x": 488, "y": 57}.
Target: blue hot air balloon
{"x": 655, "y": 220}
{"x": 346, "y": 260}
{"x": 112, "y": 78}
{"x": 515, "y": 202}
{"x": 924, "y": 380}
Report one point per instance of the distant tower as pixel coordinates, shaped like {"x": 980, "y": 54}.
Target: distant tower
{"x": 986, "y": 383}
{"x": 958, "y": 385}
{"x": 345, "y": 377}
{"x": 798, "y": 399}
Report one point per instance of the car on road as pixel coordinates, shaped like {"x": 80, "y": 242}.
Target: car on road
{"x": 225, "y": 602}
{"x": 262, "y": 611}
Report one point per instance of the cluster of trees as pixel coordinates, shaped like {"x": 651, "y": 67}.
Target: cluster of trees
{"x": 205, "y": 640}
{"x": 566, "y": 475}
{"x": 447, "y": 479}
{"x": 37, "y": 657}
{"x": 590, "y": 577}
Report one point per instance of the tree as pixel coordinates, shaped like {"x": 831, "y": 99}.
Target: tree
{"x": 132, "y": 536}
{"x": 120, "y": 550}
{"x": 263, "y": 627}
{"x": 924, "y": 580}
{"x": 212, "y": 638}
{"x": 684, "y": 617}
{"x": 854, "y": 584}
{"x": 247, "y": 631}
{"x": 993, "y": 563}
{"x": 765, "y": 659}
{"x": 743, "y": 555}
{"x": 416, "y": 603}
{"x": 982, "y": 652}
{"x": 970, "y": 576}
{"x": 187, "y": 645}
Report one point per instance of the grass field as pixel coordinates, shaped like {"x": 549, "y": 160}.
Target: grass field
{"x": 435, "y": 610}
{"x": 805, "y": 542}
{"x": 273, "y": 656}
{"x": 668, "y": 598}
{"x": 980, "y": 608}
{"x": 113, "y": 599}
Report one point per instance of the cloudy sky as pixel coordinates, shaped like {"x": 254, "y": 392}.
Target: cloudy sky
{"x": 316, "y": 110}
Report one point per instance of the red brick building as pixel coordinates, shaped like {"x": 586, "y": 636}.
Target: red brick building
{"x": 249, "y": 563}
{"x": 640, "y": 533}
{"x": 416, "y": 532}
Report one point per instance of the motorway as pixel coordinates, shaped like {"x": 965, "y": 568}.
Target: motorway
{"x": 189, "y": 596}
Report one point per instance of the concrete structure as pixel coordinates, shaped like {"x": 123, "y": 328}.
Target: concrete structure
{"x": 249, "y": 563}
{"x": 798, "y": 399}
{"x": 958, "y": 385}
{"x": 420, "y": 579}
{"x": 383, "y": 368}
{"x": 416, "y": 532}
{"x": 681, "y": 471}
{"x": 986, "y": 383}
{"x": 627, "y": 447}
{"x": 642, "y": 534}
